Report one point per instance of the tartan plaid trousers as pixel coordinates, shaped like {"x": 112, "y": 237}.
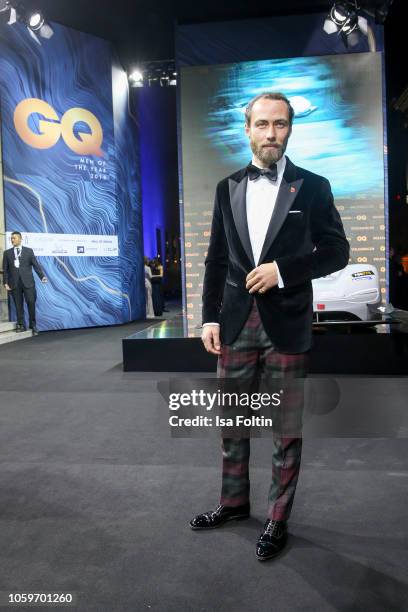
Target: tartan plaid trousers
{"x": 252, "y": 356}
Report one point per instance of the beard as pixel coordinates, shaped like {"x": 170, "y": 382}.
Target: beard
{"x": 268, "y": 155}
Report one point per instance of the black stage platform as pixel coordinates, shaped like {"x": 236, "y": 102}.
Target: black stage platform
{"x": 377, "y": 347}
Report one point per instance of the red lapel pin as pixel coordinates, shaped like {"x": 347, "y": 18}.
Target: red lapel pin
{"x": 293, "y": 189}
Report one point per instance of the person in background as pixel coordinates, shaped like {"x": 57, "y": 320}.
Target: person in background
{"x": 18, "y": 265}
{"x": 157, "y": 286}
{"x": 148, "y": 289}
{"x": 157, "y": 268}
{"x": 398, "y": 279}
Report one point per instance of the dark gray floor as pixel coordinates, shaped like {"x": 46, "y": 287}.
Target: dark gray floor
{"x": 96, "y": 498}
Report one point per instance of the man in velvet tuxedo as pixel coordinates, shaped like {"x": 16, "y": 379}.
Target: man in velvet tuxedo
{"x": 274, "y": 229}
{"x": 18, "y": 264}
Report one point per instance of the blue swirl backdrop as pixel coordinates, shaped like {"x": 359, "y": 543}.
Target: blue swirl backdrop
{"x": 58, "y": 191}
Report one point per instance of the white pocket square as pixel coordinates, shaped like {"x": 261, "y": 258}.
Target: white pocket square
{"x": 295, "y": 211}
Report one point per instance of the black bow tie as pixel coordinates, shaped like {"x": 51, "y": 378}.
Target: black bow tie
{"x": 270, "y": 173}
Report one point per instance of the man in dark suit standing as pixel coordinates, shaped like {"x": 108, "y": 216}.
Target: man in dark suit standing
{"x": 274, "y": 229}
{"x": 18, "y": 264}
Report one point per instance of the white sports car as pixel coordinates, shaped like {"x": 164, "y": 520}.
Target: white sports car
{"x": 351, "y": 294}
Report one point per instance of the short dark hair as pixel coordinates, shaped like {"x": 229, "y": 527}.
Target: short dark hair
{"x": 16, "y": 234}
{"x": 268, "y": 95}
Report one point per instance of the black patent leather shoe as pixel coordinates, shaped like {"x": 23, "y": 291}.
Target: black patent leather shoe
{"x": 272, "y": 541}
{"x": 219, "y": 516}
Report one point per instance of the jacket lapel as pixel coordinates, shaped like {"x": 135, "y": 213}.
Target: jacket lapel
{"x": 237, "y": 192}
{"x": 288, "y": 191}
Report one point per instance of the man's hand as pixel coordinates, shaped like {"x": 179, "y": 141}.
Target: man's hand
{"x": 7, "y": 287}
{"x": 44, "y": 279}
{"x": 211, "y": 339}
{"x": 262, "y": 278}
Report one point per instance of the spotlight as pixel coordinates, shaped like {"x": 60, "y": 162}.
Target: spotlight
{"x": 161, "y": 73}
{"x": 8, "y": 14}
{"x": 36, "y": 25}
{"x": 13, "y": 11}
{"x": 136, "y": 78}
{"x": 35, "y": 21}
{"x": 344, "y": 19}
{"x": 344, "y": 16}
{"x": 341, "y": 13}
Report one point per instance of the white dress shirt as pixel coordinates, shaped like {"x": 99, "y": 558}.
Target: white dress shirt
{"x": 261, "y": 195}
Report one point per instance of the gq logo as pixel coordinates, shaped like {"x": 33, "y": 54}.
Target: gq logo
{"x": 51, "y": 128}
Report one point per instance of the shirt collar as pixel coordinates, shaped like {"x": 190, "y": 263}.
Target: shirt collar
{"x": 280, "y": 165}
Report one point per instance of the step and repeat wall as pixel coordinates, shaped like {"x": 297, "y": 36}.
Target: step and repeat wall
{"x": 337, "y": 132}
{"x": 70, "y": 173}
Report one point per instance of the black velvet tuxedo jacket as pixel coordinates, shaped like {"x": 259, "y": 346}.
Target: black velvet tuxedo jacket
{"x": 28, "y": 261}
{"x": 305, "y": 245}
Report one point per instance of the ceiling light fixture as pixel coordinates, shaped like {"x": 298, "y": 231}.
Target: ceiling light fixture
{"x": 344, "y": 19}
{"x": 35, "y": 21}
{"x": 136, "y": 78}
{"x": 8, "y": 14}
{"x": 160, "y": 73}
{"x": 11, "y": 12}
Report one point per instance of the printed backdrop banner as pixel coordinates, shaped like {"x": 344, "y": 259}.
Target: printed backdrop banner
{"x": 60, "y": 173}
{"x": 337, "y": 132}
